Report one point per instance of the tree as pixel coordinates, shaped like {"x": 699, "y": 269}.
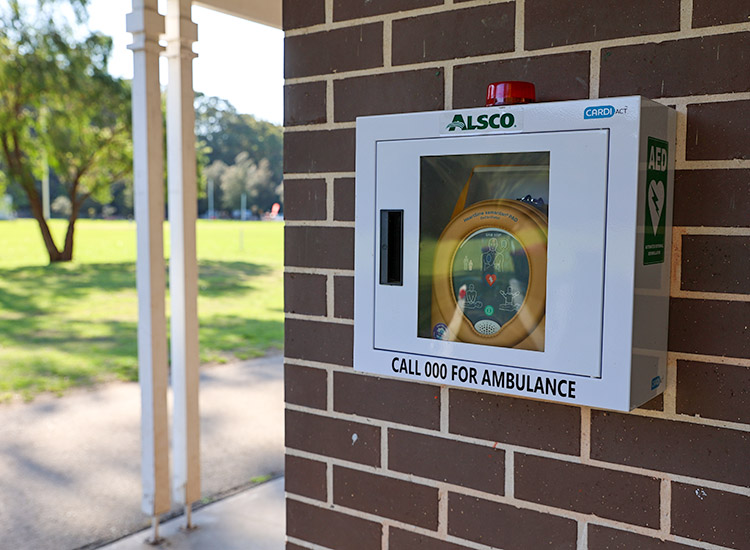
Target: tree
{"x": 247, "y": 177}
{"x": 228, "y": 133}
{"x": 57, "y": 100}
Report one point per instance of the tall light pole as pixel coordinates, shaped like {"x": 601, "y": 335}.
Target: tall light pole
{"x": 211, "y": 213}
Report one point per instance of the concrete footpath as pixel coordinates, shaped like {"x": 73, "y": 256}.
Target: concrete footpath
{"x": 250, "y": 520}
{"x": 70, "y": 466}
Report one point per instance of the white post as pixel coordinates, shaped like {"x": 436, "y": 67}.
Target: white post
{"x": 183, "y": 264}
{"x": 146, "y": 25}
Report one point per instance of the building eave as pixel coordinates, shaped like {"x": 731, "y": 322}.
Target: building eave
{"x": 266, "y": 12}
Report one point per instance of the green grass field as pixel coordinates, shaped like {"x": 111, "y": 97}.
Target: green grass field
{"x": 74, "y": 324}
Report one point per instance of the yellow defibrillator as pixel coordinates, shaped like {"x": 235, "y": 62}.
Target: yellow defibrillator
{"x": 490, "y": 272}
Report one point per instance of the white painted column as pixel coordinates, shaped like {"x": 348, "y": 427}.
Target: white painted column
{"x": 146, "y": 25}
{"x": 183, "y": 265}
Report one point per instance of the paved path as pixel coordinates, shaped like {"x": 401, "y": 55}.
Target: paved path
{"x": 250, "y": 520}
{"x": 70, "y": 466}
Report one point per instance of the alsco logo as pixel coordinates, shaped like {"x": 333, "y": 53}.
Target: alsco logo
{"x": 495, "y": 121}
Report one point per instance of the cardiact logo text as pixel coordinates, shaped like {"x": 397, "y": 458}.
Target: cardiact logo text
{"x": 482, "y": 122}
{"x": 600, "y": 111}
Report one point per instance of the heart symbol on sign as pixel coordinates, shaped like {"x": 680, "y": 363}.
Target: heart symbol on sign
{"x": 490, "y": 279}
{"x": 655, "y": 202}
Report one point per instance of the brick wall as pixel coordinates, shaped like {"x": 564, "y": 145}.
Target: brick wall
{"x": 393, "y": 465}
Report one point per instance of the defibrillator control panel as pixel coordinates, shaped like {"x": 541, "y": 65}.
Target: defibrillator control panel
{"x": 520, "y": 249}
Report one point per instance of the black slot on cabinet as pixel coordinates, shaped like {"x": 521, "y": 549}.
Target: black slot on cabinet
{"x": 392, "y": 247}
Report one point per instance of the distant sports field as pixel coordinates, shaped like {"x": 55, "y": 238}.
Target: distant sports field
{"x": 74, "y": 324}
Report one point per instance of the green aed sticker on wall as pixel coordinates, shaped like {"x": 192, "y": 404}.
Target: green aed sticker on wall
{"x": 656, "y": 201}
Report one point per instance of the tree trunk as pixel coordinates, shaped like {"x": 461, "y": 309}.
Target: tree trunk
{"x": 38, "y": 213}
{"x": 14, "y": 160}
{"x": 67, "y": 253}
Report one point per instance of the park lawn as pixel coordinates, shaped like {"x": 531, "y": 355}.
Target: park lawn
{"x": 74, "y": 324}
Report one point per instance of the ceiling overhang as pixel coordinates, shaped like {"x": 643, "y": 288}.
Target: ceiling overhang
{"x": 266, "y": 12}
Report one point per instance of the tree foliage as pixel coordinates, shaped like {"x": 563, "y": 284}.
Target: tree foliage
{"x": 226, "y": 135}
{"x": 248, "y": 178}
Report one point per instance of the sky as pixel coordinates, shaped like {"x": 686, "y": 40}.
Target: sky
{"x": 238, "y": 60}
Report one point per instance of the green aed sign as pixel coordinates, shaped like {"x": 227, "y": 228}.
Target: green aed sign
{"x": 656, "y": 201}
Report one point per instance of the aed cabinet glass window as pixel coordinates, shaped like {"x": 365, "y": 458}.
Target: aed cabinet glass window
{"x": 483, "y": 248}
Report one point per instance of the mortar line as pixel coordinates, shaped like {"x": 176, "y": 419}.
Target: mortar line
{"x": 510, "y": 467}
{"x": 448, "y": 87}
{"x": 670, "y": 392}
{"x": 583, "y": 535}
{"x": 520, "y": 31}
{"x": 585, "y": 434}
{"x": 595, "y": 65}
{"x": 665, "y": 503}
{"x": 686, "y": 15}
{"x": 330, "y": 297}
{"x": 329, "y": 12}
{"x": 330, "y": 112}
{"x": 444, "y": 410}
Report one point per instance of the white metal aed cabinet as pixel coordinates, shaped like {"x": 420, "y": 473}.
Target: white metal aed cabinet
{"x": 523, "y": 250}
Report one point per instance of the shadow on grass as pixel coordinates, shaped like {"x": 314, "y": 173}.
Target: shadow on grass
{"x": 30, "y": 289}
{"x": 239, "y": 336}
{"x": 74, "y": 325}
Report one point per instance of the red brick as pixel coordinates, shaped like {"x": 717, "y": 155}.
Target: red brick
{"x": 714, "y": 198}
{"x": 305, "y": 199}
{"x": 305, "y": 103}
{"x": 655, "y": 404}
{"x": 305, "y": 386}
{"x": 303, "y": 13}
{"x": 708, "y": 13}
{"x": 710, "y": 515}
{"x": 412, "y": 403}
{"x": 709, "y": 327}
{"x": 333, "y": 437}
{"x": 720, "y": 131}
{"x": 503, "y": 526}
{"x": 454, "y": 34}
{"x": 343, "y": 199}
{"x": 402, "y": 92}
{"x": 675, "y": 68}
{"x": 694, "y": 450}
{"x": 331, "y": 529}
{"x": 604, "y": 538}
{"x": 354, "y": 9}
{"x": 716, "y": 263}
{"x": 319, "y": 151}
{"x": 556, "y": 77}
{"x": 315, "y": 246}
{"x": 337, "y": 51}
{"x": 305, "y": 477}
{"x": 550, "y": 23}
{"x": 714, "y": 391}
{"x": 386, "y": 497}
{"x": 305, "y": 293}
{"x": 343, "y": 295}
{"x": 620, "y": 496}
{"x": 314, "y": 341}
{"x": 524, "y": 422}
{"x": 441, "y": 459}
{"x": 398, "y": 539}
